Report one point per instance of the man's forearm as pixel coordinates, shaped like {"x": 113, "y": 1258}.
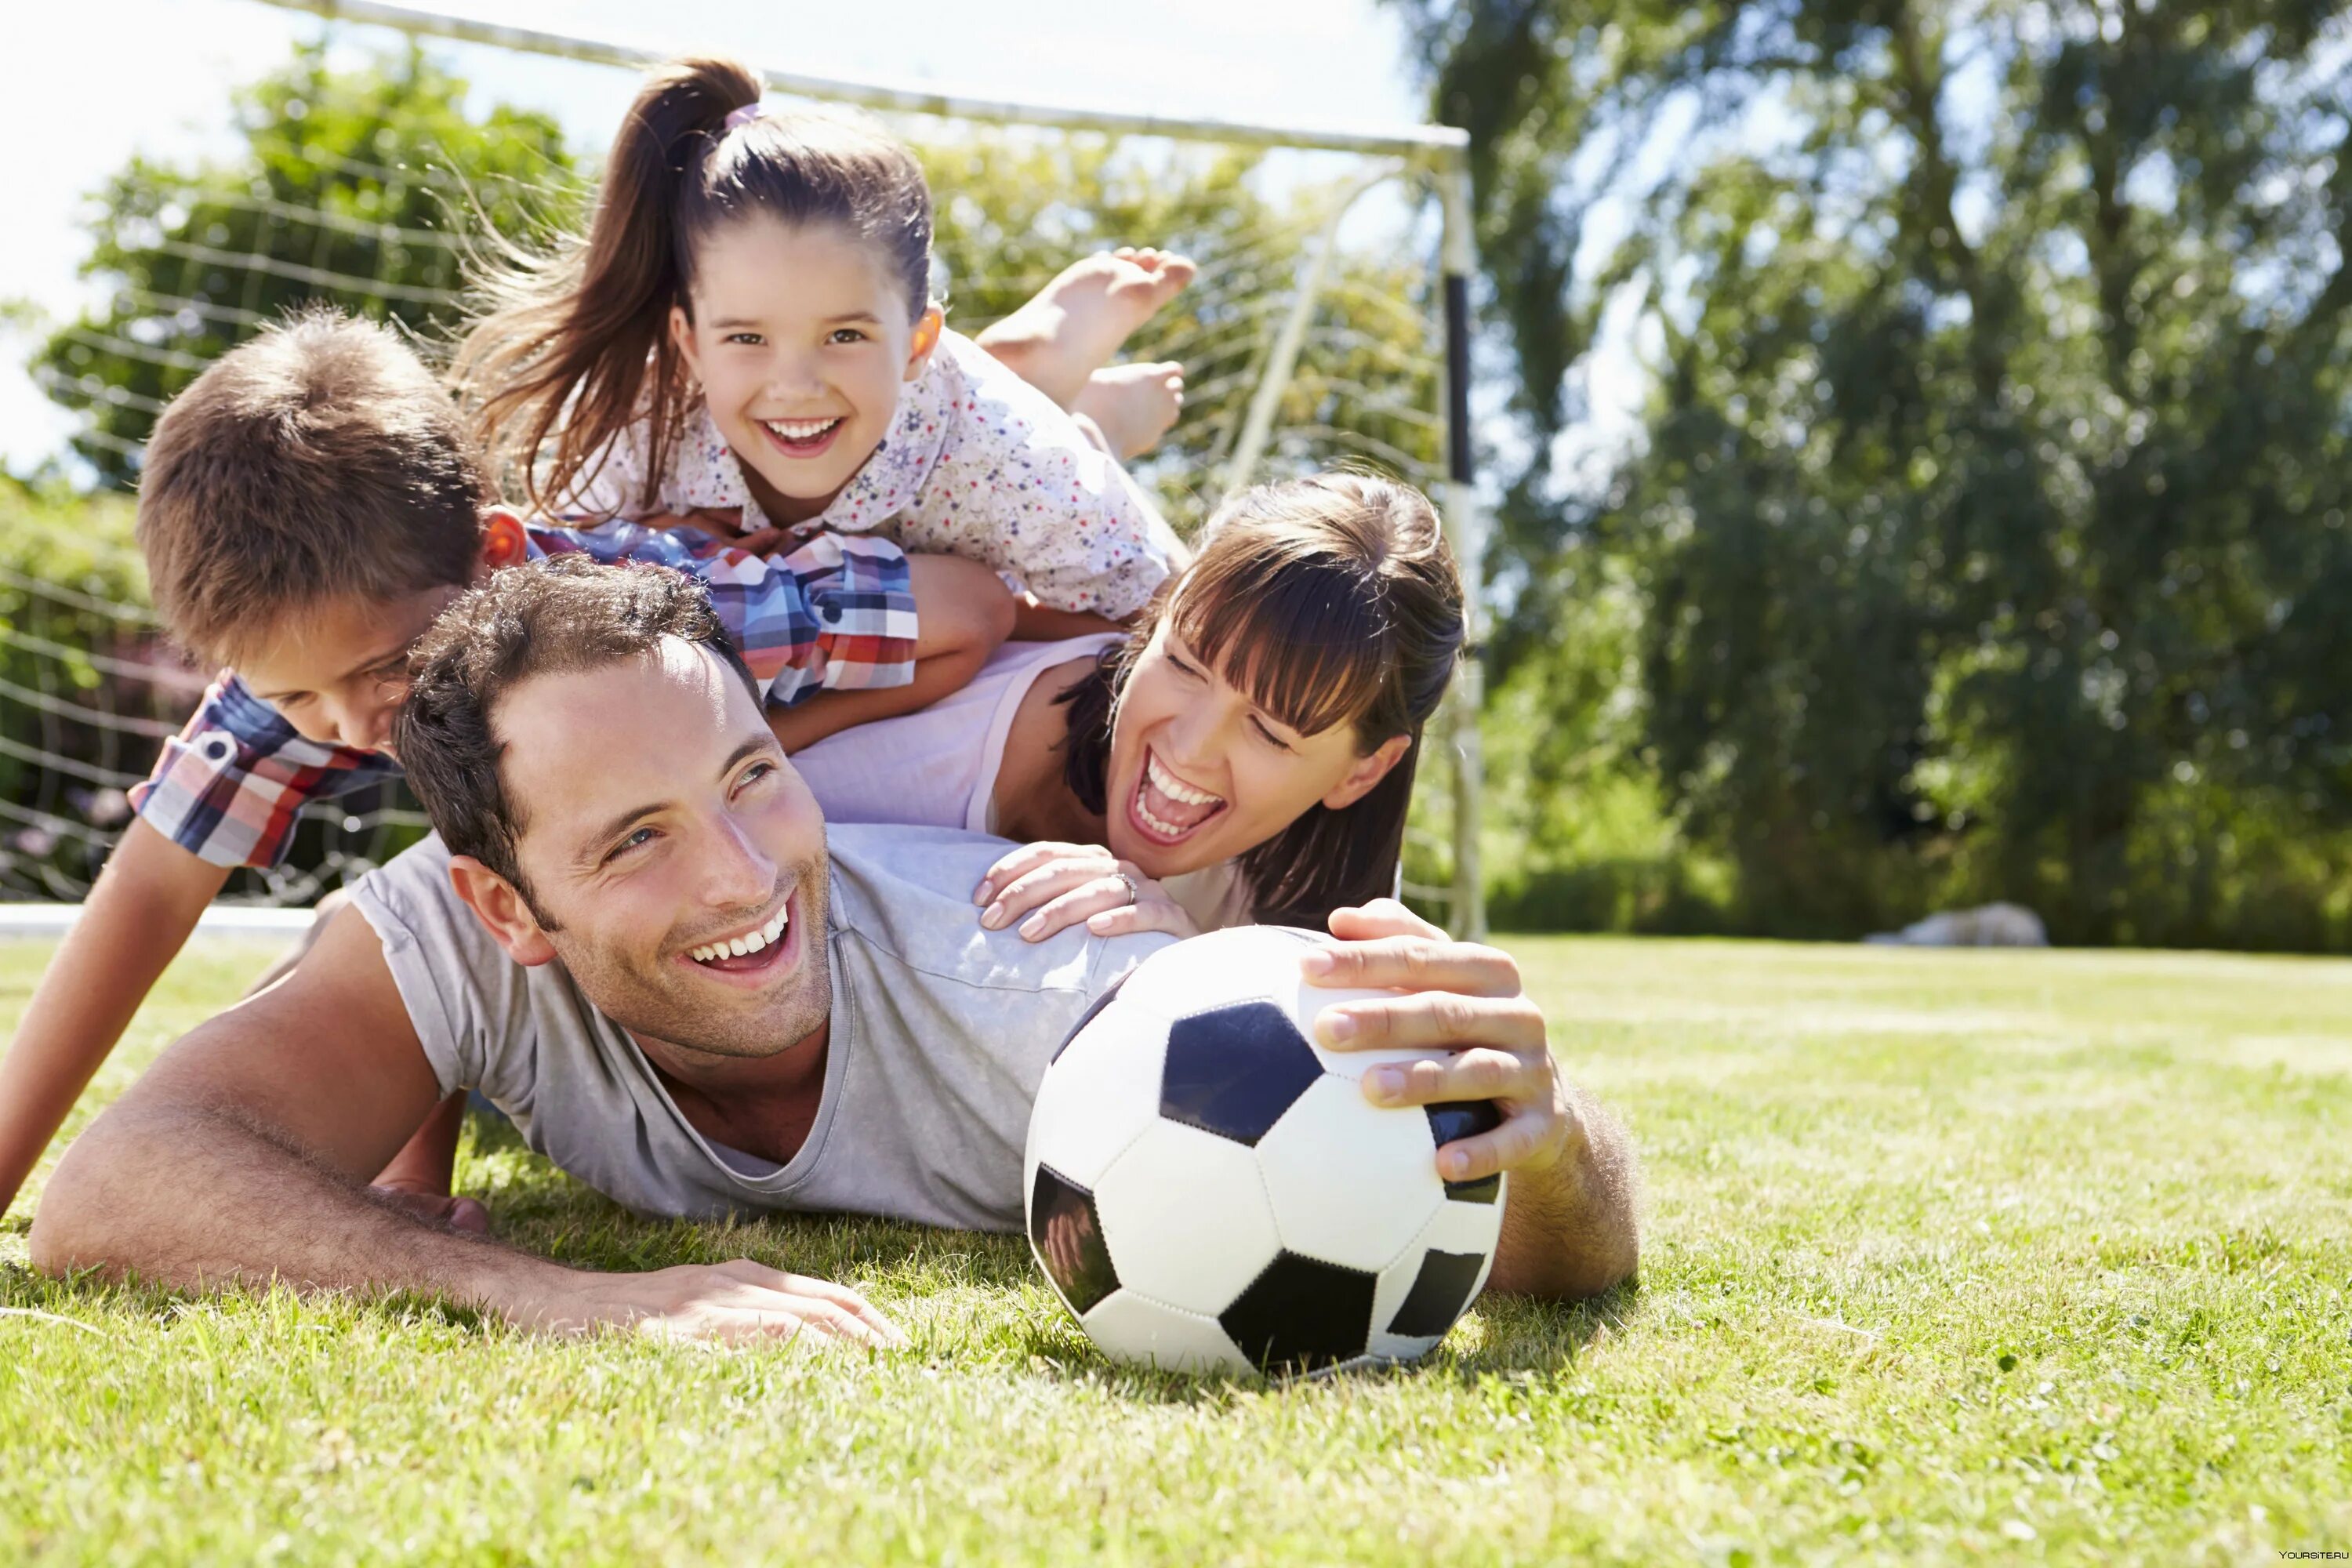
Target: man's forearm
{"x": 1570, "y": 1229}
{"x": 120, "y": 1202}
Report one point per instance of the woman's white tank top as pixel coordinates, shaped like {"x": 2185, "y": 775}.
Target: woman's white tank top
{"x": 937, "y": 766}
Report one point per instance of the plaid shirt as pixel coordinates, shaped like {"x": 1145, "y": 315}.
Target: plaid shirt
{"x": 836, "y": 613}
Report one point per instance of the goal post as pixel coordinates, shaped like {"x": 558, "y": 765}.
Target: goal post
{"x": 1291, "y": 349}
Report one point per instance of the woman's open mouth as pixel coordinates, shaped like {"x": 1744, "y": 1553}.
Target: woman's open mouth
{"x": 1164, "y": 808}
{"x": 753, "y": 955}
{"x": 801, "y": 438}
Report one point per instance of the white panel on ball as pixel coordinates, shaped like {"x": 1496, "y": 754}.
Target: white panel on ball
{"x": 1136, "y": 1328}
{"x": 1353, "y": 1183}
{"x": 1245, "y": 961}
{"x": 1457, "y": 1231}
{"x": 1185, "y": 1216}
{"x": 1223, "y": 966}
{"x": 1102, "y": 1092}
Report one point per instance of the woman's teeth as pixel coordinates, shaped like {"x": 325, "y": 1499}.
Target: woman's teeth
{"x": 1180, "y": 800}
{"x": 800, "y": 430}
{"x": 1173, "y": 787}
{"x": 751, "y": 942}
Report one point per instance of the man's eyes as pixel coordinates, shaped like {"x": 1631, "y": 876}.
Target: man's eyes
{"x": 634, "y": 841}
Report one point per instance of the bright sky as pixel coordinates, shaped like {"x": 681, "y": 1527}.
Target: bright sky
{"x": 84, "y": 86}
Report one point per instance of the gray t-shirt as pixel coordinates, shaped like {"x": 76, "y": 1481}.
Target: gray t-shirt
{"x": 940, "y": 1033}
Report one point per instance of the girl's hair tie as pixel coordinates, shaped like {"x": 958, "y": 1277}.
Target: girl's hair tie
{"x": 743, "y": 116}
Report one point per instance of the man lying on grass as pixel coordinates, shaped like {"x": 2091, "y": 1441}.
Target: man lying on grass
{"x": 642, "y": 943}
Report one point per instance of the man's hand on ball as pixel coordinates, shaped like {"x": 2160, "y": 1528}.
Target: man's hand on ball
{"x": 1055, "y": 886}
{"x": 1461, "y": 997}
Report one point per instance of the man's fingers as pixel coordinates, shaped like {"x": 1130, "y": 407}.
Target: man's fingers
{"x": 1414, "y": 964}
{"x": 1471, "y": 1075}
{"x": 1517, "y": 1143}
{"x": 819, "y": 1299}
{"x": 1381, "y": 917}
{"x": 1443, "y": 1020}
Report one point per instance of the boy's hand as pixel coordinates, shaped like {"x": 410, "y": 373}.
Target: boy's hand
{"x": 1461, "y": 997}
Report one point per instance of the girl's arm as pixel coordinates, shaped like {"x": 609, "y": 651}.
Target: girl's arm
{"x": 1034, "y": 622}
{"x": 963, "y": 612}
{"x": 135, "y": 921}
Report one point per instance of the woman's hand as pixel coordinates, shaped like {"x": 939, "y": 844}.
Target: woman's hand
{"x": 1058, "y": 885}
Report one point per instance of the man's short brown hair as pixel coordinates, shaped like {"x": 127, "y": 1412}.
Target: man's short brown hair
{"x": 320, "y": 460}
{"x": 558, "y": 616}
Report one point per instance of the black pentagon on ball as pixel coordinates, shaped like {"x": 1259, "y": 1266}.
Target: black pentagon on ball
{"x": 1439, "y": 1293}
{"x": 1300, "y": 1314}
{"x": 1093, "y": 1009}
{"x": 1068, "y": 1237}
{"x": 1234, "y": 1070}
{"x": 1457, "y": 1119}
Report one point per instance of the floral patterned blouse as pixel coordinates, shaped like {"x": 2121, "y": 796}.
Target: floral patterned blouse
{"x": 978, "y": 463}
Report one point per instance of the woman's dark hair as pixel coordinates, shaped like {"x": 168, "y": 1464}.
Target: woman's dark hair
{"x": 1331, "y": 600}
{"x": 574, "y": 348}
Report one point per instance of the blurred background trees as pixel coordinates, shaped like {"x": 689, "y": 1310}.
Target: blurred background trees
{"x": 1984, "y": 534}
{"x": 375, "y": 186}
{"x": 1980, "y": 532}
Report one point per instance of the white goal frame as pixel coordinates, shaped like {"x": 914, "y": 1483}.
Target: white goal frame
{"x": 1437, "y": 154}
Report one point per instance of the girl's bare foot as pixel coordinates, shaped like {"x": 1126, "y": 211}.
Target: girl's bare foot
{"x": 1133, "y": 405}
{"x": 1078, "y": 320}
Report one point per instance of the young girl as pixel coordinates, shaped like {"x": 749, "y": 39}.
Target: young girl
{"x": 750, "y": 325}
{"x": 1245, "y": 753}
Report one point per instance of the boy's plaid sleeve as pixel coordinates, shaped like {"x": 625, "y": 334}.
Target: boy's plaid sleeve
{"x": 228, "y": 787}
{"x": 837, "y": 613}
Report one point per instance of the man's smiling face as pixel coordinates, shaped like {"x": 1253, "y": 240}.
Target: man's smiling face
{"x": 659, "y": 828}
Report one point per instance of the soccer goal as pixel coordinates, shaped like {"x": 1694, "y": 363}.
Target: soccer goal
{"x": 1329, "y": 324}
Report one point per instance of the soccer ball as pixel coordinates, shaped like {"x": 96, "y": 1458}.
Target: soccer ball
{"x": 1209, "y": 1189}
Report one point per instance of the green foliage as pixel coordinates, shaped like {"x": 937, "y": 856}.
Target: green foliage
{"x": 1014, "y": 209}
{"x": 1951, "y": 1257}
{"x": 1988, "y": 531}
{"x": 356, "y": 187}
{"x": 84, "y": 691}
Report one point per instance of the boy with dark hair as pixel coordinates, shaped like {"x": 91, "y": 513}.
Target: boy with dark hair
{"x": 307, "y": 506}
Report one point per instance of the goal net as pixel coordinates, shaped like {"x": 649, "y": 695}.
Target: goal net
{"x": 1327, "y": 326}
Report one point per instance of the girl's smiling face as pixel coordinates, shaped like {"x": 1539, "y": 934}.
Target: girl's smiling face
{"x": 801, "y": 338}
{"x": 1200, "y": 772}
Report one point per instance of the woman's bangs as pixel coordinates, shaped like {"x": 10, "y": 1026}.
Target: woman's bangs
{"x": 1304, "y": 641}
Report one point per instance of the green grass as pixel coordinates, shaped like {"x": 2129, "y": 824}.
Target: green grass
{"x": 1948, "y": 1256}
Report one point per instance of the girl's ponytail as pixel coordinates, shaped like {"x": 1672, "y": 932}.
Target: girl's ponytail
{"x": 576, "y": 347}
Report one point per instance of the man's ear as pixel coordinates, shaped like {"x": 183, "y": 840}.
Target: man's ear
{"x": 1367, "y": 771}
{"x": 502, "y": 911}
{"x": 504, "y": 542}
{"x": 681, "y": 337}
{"x": 928, "y": 327}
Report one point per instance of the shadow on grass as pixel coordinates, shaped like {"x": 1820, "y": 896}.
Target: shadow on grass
{"x": 538, "y": 1208}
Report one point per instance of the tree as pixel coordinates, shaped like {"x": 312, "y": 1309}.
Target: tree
{"x": 1988, "y": 526}
{"x": 356, "y": 187}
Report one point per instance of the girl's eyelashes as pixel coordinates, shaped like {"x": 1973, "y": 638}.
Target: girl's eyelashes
{"x": 753, "y": 338}
{"x": 1271, "y": 739}
{"x": 846, "y": 335}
